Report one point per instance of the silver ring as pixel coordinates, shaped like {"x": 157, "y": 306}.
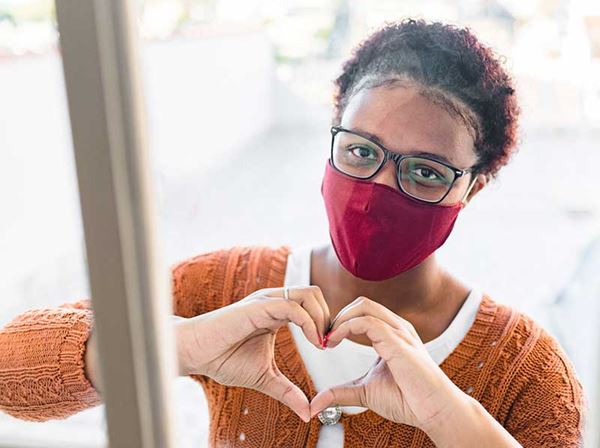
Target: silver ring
{"x": 330, "y": 415}
{"x": 286, "y": 293}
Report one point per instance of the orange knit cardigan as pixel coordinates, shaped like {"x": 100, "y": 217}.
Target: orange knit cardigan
{"x": 511, "y": 365}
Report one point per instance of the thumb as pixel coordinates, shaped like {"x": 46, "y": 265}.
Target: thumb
{"x": 279, "y": 387}
{"x": 348, "y": 394}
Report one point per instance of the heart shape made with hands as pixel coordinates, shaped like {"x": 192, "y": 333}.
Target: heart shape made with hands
{"x": 402, "y": 359}
{"x": 235, "y": 345}
{"x": 377, "y": 389}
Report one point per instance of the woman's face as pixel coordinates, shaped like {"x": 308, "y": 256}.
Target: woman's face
{"x": 405, "y": 121}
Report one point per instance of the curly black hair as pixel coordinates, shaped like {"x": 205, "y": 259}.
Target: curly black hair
{"x": 452, "y": 67}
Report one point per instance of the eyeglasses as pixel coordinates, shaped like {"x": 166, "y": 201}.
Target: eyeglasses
{"x": 419, "y": 176}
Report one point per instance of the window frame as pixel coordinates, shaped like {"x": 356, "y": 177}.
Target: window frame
{"x": 128, "y": 280}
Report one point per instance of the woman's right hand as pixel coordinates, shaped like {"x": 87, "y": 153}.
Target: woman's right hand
{"x": 234, "y": 345}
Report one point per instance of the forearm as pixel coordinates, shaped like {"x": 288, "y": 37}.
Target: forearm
{"x": 91, "y": 364}
{"x": 469, "y": 425}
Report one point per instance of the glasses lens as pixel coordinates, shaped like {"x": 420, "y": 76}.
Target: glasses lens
{"x": 355, "y": 155}
{"x": 425, "y": 179}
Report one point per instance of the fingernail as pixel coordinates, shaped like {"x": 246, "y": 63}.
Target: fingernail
{"x": 327, "y": 338}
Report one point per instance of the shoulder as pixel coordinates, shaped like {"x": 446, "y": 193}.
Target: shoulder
{"x": 210, "y": 280}
{"x": 535, "y": 378}
{"x": 534, "y": 350}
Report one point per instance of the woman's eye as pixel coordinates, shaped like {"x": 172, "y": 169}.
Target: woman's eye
{"x": 363, "y": 152}
{"x": 426, "y": 173}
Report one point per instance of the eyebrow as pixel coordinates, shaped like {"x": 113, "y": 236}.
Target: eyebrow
{"x": 377, "y": 140}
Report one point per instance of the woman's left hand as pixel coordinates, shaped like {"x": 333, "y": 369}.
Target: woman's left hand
{"x": 404, "y": 385}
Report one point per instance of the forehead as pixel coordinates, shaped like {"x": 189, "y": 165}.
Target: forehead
{"x": 406, "y": 121}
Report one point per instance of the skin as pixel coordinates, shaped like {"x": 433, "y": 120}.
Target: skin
{"x": 234, "y": 345}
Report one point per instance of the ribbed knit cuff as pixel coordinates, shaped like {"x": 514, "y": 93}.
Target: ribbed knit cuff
{"x": 71, "y": 361}
{"x": 42, "y": 373}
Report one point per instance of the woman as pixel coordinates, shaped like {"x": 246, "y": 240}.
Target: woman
{"x": 368, "y": 333}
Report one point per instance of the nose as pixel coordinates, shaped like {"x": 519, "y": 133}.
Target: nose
{"x": 387, "y": 175}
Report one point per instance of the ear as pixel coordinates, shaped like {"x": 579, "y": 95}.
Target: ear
{"x": 475, "y": 186}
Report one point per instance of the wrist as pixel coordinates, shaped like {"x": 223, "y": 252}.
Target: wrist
{"x": 469, "y": 425}
{"x": 183, "y": 338}
{"x": 90, "y": 361}
{"x": 457, "y": 410}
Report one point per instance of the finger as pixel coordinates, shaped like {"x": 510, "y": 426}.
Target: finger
{"x": 384, "y": 338}
{"x": 282, "y": 311}
{"x": 307, "y": 298}
{"x": 363, "y": 306}
{"x": 282, "y": 389}
{"x": 409, "y": 327}
{"x": 333, "y": 321}
{"x": 343, "y": 311}
{"x": 348, "y": 394}
{"x": 326, "y": 314}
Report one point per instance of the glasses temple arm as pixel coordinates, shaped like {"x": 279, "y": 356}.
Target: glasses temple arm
{"x": 471, "y": 185}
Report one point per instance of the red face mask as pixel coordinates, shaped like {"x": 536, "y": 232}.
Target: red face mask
{"x": 379, "y": 232}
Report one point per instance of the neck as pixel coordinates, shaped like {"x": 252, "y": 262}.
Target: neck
{"x": 425, "y": 295}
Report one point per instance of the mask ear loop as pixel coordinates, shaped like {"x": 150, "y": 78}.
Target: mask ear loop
{"x": 463, "y": 200}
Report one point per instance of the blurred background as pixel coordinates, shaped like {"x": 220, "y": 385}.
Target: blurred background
{"x": 239, "y": 102}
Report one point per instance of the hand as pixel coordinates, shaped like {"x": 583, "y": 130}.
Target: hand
{"x": 404, "y": 385}
{"x": 234, "y": 345}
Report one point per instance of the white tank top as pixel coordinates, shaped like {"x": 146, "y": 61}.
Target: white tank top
{"x": 349, "y": 359}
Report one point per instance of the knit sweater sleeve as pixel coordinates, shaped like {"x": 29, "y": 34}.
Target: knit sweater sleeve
{"x": 41, "y": 363}
{"x": 42, "y": 351}
{"x": 550, "y": 410}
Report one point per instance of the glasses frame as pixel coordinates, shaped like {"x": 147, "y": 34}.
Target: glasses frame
{"x": 397, "y": 158}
